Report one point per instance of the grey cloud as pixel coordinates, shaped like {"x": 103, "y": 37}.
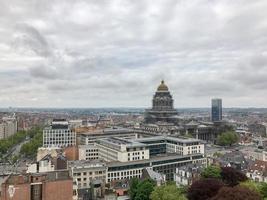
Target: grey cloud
{"x": 28, "y": 39}
{"x": 114, "y": 53}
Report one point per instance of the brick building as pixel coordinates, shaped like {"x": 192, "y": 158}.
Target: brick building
{"x": 55, "y": 185}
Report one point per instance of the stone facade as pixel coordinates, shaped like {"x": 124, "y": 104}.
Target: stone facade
{"x": 162, "y": 107}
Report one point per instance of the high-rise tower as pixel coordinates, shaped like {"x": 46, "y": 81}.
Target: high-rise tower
{"x": 216, "y": 110}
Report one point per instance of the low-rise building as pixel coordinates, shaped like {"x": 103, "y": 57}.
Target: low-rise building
{"x": 186, "y": 175}
{"x": 48, "y": 163}
{"x": 85, "y": 171}
{"x": 257, "y": 171}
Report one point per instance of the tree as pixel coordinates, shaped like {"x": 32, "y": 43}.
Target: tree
{"x": 260, "y": 188}
{"x": 231, "y": 176}
{"x": 133, "y": 187}
{"x": 211, "y": 171}
{"x": 236, "y": 193}
{"x": 168, "y": 192}
{"x": 227, "y": 138}
{"x": 30, "y": 148}
{"x": 141, "y": 190}
{"x": 204, "y": 189}
{"x": 144, "y": 189}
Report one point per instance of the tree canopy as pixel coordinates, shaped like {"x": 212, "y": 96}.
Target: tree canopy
{"x": 141, "y": 190}
{"x": 260, "y": 188}
{"x": 204, "y": 189}
{"x": 168, "y": 192}
{"x": 236, "y": 193}
{"x": 30, "y": 148}
{"x": 231, "y": 176}
{"x": 227, "y": 138}
{"x": 211, "y": 171}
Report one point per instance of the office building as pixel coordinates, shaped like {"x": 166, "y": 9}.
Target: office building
{"x": 116, "y": 149}
{"x": 58, "y": 134}
{"x": 216, "y": 110}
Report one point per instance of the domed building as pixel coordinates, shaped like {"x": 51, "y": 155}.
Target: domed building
{"x": 162, "y": 107}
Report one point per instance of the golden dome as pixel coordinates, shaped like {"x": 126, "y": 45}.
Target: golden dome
{"x": 163, "y": 87}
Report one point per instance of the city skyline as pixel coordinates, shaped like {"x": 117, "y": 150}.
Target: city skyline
{"x": 115, "y": 53}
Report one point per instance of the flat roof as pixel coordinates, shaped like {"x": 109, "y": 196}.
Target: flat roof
{"x": 162, "y": 157}
{"x": 119, "y": 141}
{"x": 155, "y": 138}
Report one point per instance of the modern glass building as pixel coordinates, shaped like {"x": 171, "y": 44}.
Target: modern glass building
{"x": 216, "y": 110}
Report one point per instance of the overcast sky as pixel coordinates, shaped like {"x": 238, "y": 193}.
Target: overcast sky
{"x": 109, "y": 53}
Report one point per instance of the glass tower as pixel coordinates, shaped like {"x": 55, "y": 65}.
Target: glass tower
{"x": 216, "y": 110}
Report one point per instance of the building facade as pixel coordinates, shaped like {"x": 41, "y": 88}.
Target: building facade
{"x": 88, "y": 152}
{"x": 8, "y": 127}
{"x": 58, "y": 134}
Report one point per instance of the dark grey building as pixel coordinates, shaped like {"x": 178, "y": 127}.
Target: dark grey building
{"x": 216, "y": 110}
{"x": 162, "y": 107}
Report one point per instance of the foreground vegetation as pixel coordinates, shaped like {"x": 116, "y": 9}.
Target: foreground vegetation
{"x": 215, "y": 183}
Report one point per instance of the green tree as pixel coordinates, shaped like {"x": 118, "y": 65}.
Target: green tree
{"x": 144, "y": 189}
{"x": 168, "y": 192}
{"x": 211, "y": 171}
{"x": 227, "y": 138}
{"x": 30, "y": 148}
{"x": 260, "y": 188}
{"x": 141, "y": 190}
{"x": 133, "y": 187}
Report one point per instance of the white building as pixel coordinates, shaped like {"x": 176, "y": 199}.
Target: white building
{"x": 116, "y": 149}
{"x": 75, "y": 123}
{"x": 59, "y": 135}
{"x": 84, "y": 172}
{"x": 186, "y": 175}
{"x": 88, "y": 152}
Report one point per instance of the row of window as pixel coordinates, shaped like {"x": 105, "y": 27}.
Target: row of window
{"x": 125, "y": 173}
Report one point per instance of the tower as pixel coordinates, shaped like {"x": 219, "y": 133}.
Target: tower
{"x": 216, "y": 110}
{"x": 162, "y": 106}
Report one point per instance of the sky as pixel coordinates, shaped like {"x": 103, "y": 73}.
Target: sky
{"x": 114, "y": 53}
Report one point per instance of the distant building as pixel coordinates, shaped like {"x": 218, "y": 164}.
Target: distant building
{"x": 59, "y": 135}
{"x": 216, "y": 110}
{"x": 55, "y": 185}
{"x": 162, "y": 107}
{"x": 8, "y": 127}
{"x": 235, "y": 159}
